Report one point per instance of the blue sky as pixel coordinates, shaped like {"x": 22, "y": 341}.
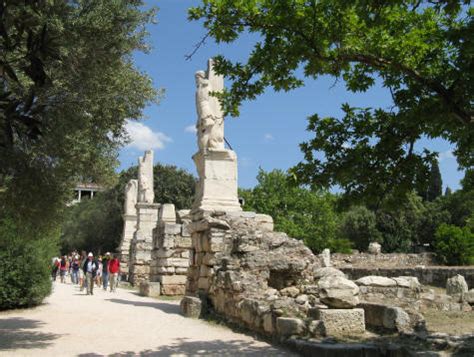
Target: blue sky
{"x": 269, "y": 129}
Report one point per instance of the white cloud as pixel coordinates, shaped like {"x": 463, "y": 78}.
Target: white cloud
{"x": 446, "y": 155}
{"x": 268, "y": 137}
{"x": 143, "y": 138}
{"x": 191, "y": 129}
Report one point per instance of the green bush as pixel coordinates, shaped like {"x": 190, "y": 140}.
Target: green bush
{"x": 454, "y": 245}
{"x": 25, "y": 266}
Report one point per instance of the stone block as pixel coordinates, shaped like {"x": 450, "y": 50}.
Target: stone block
{"x": 184, "y": 230}
{"x": 184, "y": 254}
{"x": 151, "y": 289}
{"x": 206, "y": 271}
{"x": 469, "y": 297}
{"x": 265, "y": 222}
{"x": 375, "y": 248}
{"x": 338, "y": 292}
{"x": 203, "y": 283}
{"x": 167, "y": 241}
{"x": 268, "y": 323}
{"x": 164, "y": 253}
{"x": 167, "y": 213}
{"x": 340, "y": 322}
{"x": 326, "y": 258}
{"x": 326, "y": 271}
{"x": 172, "y": 279}
{"x": 173, "y": 290}
{"x": 183, "y": 242}
{"x": 191, "y": 306}
{"x": 174, "y": 262}
{"x": 287, "y": 326}
{"x": 456, "y": 285}
{"x": 180, "y": 270}
{"x": 374, "y": 280}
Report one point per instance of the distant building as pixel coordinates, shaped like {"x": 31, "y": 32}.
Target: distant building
{"x": 85, "y": 191}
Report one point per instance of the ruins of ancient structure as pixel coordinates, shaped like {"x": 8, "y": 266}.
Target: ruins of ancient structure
{"x": 233, "y": 264}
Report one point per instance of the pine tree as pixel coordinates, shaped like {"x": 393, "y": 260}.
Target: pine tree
{"x": 435, "y": 184}
{"x": 448, "y": 191}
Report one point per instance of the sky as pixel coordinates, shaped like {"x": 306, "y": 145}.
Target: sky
{"x": 269, "y": 129}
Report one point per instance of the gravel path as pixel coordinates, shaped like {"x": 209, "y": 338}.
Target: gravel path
{"x": 71, "y": 323}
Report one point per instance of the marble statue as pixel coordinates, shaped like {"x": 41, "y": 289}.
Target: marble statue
{"x": 131, "y": 195}
{"x": 145, "y": 178}
{"x": 210, "y": 123}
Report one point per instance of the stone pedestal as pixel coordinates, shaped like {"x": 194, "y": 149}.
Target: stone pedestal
{"x": 129, "y": 228}
{"x": 142, "y": 243}
{"x": 217, "y": 186}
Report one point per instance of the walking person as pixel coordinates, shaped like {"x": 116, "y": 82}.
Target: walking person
{"x": 63, "y": 269}
{"x": 114, "y": 268}
{"x": 98, "y": 273}
{"x": 75, "y": 270}
{"x": 90, "y": 269}
{"x": 82, "y": 275}
{"x": 105, "y": 270}
{"x": 55, "y": 268}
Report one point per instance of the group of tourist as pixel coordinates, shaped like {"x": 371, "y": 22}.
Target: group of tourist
{"x": 86, "y": 271}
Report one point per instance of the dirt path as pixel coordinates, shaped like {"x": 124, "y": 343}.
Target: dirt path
{"x": 119, "y": 324}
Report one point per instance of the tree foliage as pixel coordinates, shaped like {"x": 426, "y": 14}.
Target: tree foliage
{"x": 67, "y": 85}
{"x": 96, "y": 224}
{"x": 359, "y": 225}
{"x": 297, "y": 211}
{"x": 454, "y": 245}
{"x": 421, "y": 51}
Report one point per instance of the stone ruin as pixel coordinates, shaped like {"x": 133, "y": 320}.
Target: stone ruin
{"x": 232, "y": 263}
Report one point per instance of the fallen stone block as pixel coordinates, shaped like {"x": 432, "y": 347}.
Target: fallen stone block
{"x": 191, "y": 306}
{"x": 151, "y": 289}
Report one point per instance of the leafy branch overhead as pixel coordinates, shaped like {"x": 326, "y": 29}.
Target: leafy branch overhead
{"x": 421, "y": 51}
{"x": 67, "y": 85}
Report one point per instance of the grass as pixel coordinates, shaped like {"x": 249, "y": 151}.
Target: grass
{"x": 452, "y": 322}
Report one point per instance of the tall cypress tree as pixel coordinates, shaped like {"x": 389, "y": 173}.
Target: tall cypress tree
{"x": 435, "y": 184}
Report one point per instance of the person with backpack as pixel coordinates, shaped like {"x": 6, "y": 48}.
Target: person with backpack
{"x": 90, "y": 270}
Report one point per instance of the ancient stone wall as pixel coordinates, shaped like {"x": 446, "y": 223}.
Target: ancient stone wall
{"x": 428, "y": 275}
{"x": 264, "y": 280}
{"x": 382, "y": 260}
{"x": 170, "y": 256}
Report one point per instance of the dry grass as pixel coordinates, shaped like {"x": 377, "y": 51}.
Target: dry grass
{"x": 452, "y": 322}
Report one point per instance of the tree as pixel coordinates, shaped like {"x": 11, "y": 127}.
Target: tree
{"x": 467, "y": 183}
{"x": 400, "y": 223}
{"x": 96, "y": 224}
{"x": 297, "y": 211}
{"x": 68, "y": 84}
{"x": 435, "y": 183}
{"x": 419, "y": 50}
{"x": 359, "y": 225}
{"x": 448, "y": 191}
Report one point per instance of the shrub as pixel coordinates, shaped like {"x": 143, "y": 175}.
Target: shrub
{"x": 25, "y": 266}
{"x": 454, "y": 245}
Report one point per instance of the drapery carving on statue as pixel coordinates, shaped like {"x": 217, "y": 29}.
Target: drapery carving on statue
{"x": 145, "y": 194}
{"x": 131, "y": 195}
{"x": 210, "y": 124}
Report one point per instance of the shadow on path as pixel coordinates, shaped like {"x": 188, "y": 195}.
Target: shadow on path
{"x": 14, "y": 333}
{"x": 163, "y": 306}
{"x": 203, "y": 348}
